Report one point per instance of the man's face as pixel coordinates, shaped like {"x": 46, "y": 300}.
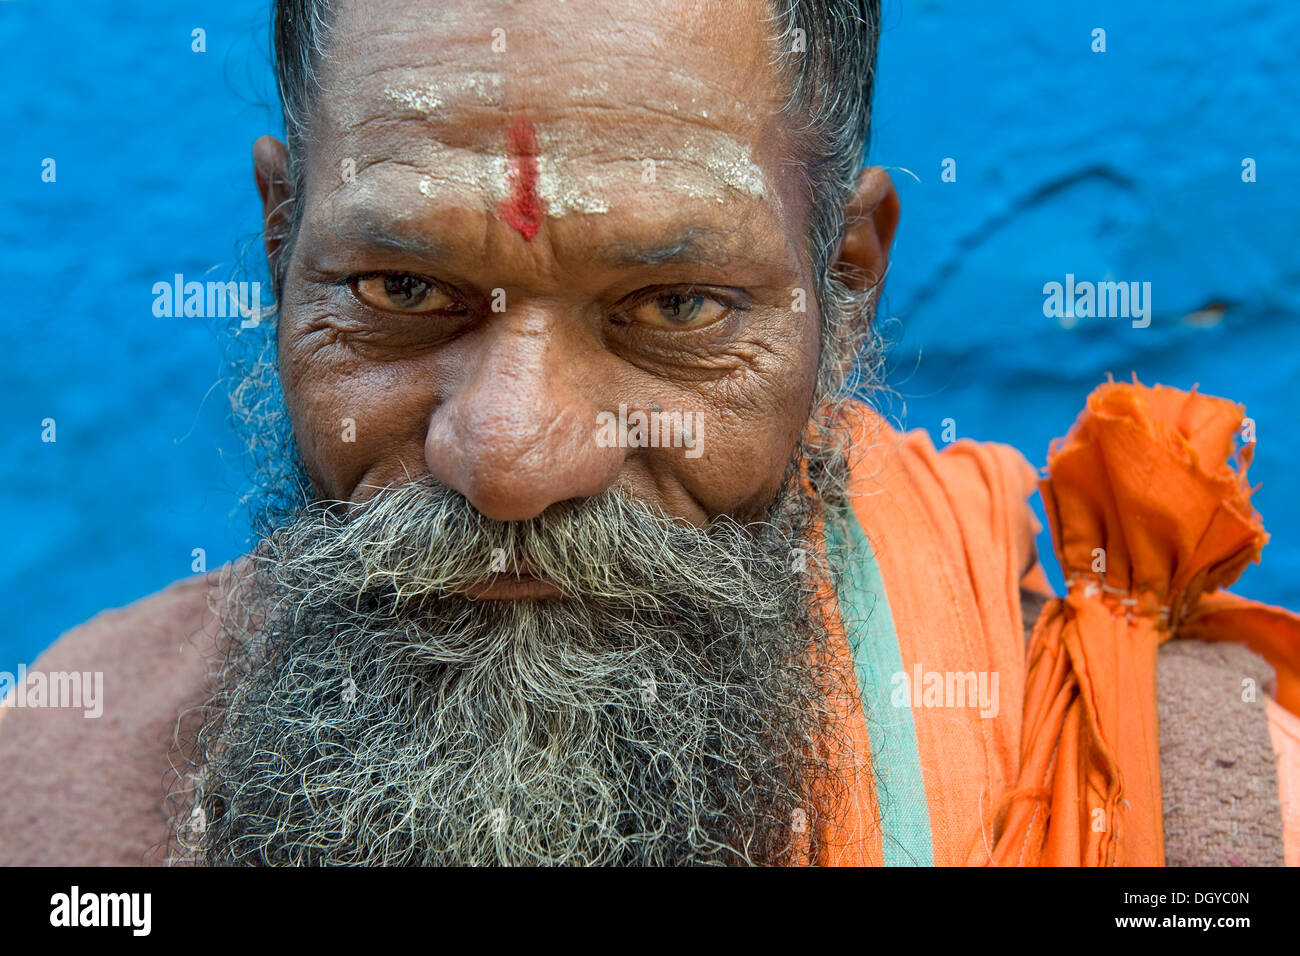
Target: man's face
{"x": 506, "y": 234}
{"x": 503, "y": 252}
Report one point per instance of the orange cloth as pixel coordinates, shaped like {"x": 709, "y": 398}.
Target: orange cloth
{"x": 1149, "y": 518}
{"x": 953, "y": 537}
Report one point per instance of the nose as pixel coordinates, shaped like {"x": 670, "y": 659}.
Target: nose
{"x": 516, "y": 430}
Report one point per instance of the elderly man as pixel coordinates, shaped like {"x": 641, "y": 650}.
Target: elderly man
{"x": 575, "y": 549}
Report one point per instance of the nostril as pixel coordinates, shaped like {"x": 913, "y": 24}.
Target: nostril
{"x": 513, "y": 458}
{"x": 517, "y": 488}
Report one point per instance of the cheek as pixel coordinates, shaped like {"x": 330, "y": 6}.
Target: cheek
{"x": 357, "y": 423}
{"x": 753, "y": 424}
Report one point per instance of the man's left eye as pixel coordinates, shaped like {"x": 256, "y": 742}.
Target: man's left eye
{"x": 404, "y": 293}
{"x": 679, "y": 310}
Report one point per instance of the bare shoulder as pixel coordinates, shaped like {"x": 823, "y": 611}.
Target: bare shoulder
{"x": 84, "y": 756}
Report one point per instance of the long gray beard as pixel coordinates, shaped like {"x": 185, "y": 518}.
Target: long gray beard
{"x": 668, "y": 709}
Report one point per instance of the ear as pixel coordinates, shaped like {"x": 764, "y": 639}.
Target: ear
{"x": 270, "y": 169}
{"x": 870, "y": 218}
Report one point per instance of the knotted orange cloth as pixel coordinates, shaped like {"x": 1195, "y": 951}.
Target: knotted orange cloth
{"x": 1149, "y": 518}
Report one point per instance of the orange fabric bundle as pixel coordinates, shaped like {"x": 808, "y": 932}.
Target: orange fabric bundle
{"x": 1149, "y": 518}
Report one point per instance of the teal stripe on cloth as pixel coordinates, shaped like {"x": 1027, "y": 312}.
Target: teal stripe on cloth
{"x": 895, "y": 756}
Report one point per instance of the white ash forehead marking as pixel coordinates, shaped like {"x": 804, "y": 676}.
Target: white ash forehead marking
{"x": 453, "y": 171}
{"x": 488, "y": 177}
{"x": 420, "y": 101}
{"x": 730, "y": 161}
{"x": 591, "y": 92}
{"x": 564, "y": 193}
{"x": 428, "y": 96}
{"x": 485, "y": 175}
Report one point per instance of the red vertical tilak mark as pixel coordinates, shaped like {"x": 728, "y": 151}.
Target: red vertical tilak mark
{"x": 523, "y": 209}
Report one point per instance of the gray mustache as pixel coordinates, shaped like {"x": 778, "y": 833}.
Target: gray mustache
{"x": 422, "y": 540}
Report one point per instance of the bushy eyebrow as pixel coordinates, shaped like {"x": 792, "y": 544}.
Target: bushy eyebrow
{"x": 372, "y": 231}
{"x": 693, "y": 244}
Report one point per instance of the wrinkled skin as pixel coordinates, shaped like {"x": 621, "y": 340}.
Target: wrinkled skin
{"x": 502, "y": 405}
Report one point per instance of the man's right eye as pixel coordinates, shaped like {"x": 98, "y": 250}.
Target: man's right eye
{"x": 401, "y": 292}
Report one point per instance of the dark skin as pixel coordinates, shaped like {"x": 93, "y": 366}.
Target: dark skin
{"x": 674, "y": 294}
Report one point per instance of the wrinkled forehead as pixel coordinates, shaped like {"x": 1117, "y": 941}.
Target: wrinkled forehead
{"x": 603, "y": 93}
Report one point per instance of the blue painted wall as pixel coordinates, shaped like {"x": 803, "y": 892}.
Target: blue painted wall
{"x": 1123, "y": 164}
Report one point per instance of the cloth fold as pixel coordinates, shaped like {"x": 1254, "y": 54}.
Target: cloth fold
{"x": 1149, "y": 507}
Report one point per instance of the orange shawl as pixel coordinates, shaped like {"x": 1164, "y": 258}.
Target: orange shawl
{"x": 1149, "y": 520}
